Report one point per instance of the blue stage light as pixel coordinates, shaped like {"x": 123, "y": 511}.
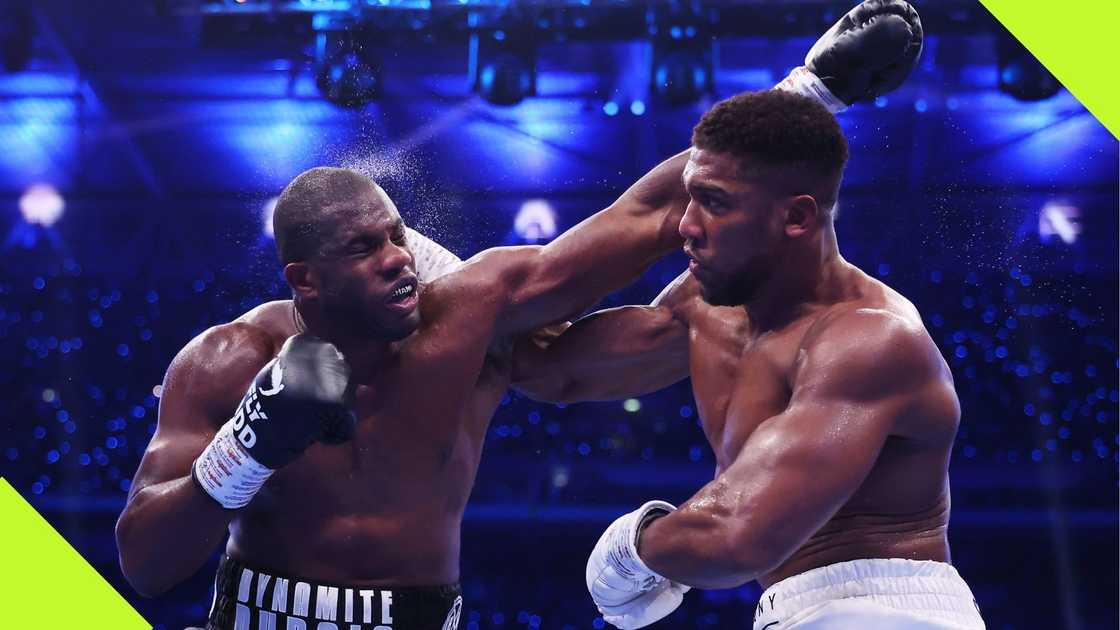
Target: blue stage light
{"x": 505, "y": 80}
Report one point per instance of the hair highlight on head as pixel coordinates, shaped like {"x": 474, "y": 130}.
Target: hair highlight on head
{"x": 301, "y": 221}
{"x": 795, "y": 139}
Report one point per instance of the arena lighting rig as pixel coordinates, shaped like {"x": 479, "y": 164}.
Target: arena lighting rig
{"x": 502, "y": 37}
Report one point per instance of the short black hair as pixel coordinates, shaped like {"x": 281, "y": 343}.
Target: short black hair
{"x": 301, "y": 222}
{"x": 792, "y": 132}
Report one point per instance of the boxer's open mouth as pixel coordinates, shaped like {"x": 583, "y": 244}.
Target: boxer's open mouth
{"x": 402, "y": 291}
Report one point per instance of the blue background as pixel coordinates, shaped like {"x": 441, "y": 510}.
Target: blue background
{"x": 166, "y": 135}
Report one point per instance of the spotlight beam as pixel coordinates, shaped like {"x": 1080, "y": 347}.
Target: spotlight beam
{"x": 89, "y": 90}
{"x": 1063, "y": 118}
{"x": 511, "y": 127}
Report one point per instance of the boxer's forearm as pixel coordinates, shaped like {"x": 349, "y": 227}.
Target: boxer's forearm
{"x": 701, "y": 548}
{"x": 608, "y": 355}
{"x": 645, "y": 217}
{"x": 166, "y": 533}
{"x": 602, "y": 254}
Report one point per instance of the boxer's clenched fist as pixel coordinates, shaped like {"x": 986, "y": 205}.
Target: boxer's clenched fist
{"x": 298, "y": 398}
{"x": 625, "y": 590}
{"x": 867, "y": 53}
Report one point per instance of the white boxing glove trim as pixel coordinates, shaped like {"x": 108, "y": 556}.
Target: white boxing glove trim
{"x": 802, "y": 81}
{"x": 659, "y": 602}
{"x": 618, "y": 552}
{"x": 227, "y": 472}
{"x": 432, "y": 259}
{"x": 628, "y": 559}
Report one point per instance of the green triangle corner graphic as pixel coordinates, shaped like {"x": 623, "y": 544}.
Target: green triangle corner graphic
{"x": 1073, "y": 42}
{"x": 46, "y": 583}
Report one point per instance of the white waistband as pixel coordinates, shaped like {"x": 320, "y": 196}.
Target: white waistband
{"x": 929, "y": 589}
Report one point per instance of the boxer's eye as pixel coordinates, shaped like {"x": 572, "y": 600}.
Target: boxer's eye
{"x": 712, "y": 203}
{"x": 362, "y": 246}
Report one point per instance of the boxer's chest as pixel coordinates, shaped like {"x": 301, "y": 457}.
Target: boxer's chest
{"x": 421, "y": 424}
{"x": 739, "y": 379}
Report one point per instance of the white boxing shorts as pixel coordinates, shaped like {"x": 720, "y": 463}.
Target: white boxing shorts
{"x": 880, "y": 593}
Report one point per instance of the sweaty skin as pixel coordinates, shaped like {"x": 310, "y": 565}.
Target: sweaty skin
{"x": 385, "y": 508}
{"x": 830, "y": 411}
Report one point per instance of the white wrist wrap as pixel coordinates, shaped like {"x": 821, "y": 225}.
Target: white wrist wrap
{"x": 227, "y": 472}
{"x": 432, "y": 259}
{"x": 801, "y": 81}
{"x": 623, "y": 555}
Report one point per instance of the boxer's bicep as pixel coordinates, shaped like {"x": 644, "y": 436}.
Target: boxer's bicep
{"x": 169, "y": 527}
{"x": 795, "y": 471}
{"x": 797, "y": 468}
{"x": 611, "y": 354}
{"x": 804, "y": 464}
{"x": 798, "y": 471}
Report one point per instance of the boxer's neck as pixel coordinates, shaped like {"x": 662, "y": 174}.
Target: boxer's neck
{"x": 364, "y": 352}
{"x": 808, "y": 277}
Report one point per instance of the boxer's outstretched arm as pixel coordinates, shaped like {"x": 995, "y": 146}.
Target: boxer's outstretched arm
{"x": 611, "y": 354}
{"x": 869, "y": 375}
{"x": 169, "y": 527}
{"x": 538, "y": 285}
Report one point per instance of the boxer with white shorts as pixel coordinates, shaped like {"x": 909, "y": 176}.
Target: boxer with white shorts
{"x": 830, "y": 410}
{"x": 881, "y": 593}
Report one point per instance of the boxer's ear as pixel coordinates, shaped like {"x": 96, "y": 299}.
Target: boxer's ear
{"x": 301, "y": 279}
{"x": 801, "y": 214}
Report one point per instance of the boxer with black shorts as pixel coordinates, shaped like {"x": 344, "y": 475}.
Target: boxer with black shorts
{"x": 336, "y": 436}
{"x": 364, "y": 402}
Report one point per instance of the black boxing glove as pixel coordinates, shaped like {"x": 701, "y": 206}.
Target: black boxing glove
{"x": 297, "y": 399}
{"x": 866, "y": 54}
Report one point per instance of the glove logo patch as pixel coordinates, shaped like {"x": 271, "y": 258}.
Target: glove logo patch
{"x": 251, "y": 407}
{"x": 276, "y": 375}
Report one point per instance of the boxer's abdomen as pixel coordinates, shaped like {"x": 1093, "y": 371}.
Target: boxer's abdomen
{"x": 854, "y": 536}
{"x": 385, "y": 508}
{"x": 398, "y": 549}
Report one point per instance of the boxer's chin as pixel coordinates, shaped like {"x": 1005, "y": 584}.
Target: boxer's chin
{"x": 402, "y": 328}
{"x": 718, "y": 297}
{"x": 733, "y": 292}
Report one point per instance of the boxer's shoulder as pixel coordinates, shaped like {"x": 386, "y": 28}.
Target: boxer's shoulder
{"x": 876, "y": 314}
{"x": 218, "y": 364}
{"x": 870, "y": 347}
{"x": 231, "y": 343}
{"x": 881, "y": 353}
{"x": 275, "y": 320}
{"x": 682, "y": 298}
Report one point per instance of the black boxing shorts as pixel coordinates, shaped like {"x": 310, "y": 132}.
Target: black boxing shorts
{"x": 246, "y": 598}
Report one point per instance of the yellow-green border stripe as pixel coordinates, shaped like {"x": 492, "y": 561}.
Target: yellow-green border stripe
{"x": 1074, "y": 42}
